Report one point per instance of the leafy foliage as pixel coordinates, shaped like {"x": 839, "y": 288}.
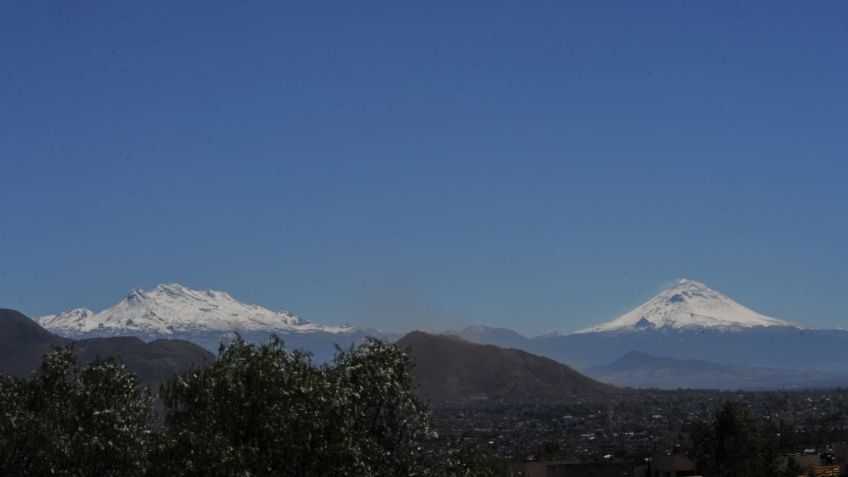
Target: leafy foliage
{"x": 74, "y": 420}
{"x": 265, "y": 410}
{"x": 735, "y": 444}
{"x": 259, "y": 410}
{"x": 463, "y": 460}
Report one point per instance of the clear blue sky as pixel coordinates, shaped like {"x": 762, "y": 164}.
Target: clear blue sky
{"x": 538, "y": 166}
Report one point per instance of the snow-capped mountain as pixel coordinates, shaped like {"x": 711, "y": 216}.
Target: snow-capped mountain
{"x": 690, "y": 321}
{"x": 76, "y": 315}
{"x": 202, "y": 317}
{"x": 689, "y": 305}
{"x": 171, "y": 309}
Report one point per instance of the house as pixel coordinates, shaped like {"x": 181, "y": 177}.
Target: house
{"x": 671, "y": 465}
{"x": 567, "y": 469}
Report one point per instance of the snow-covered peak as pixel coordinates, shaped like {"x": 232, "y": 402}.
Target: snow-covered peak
{"x": 171, "y": 308}
{"x": 74, "y": 315}
{"x": 689, "y": 305}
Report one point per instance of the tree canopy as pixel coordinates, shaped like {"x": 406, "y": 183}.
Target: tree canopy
{"x": 259, "y": 410}
{"x": 734, "y": 444}
{"x": 75, "y": 420}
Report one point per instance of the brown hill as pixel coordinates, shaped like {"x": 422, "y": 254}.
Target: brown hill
{"x": 23, "y": 343}
{"x": 152, "y": 362}
{"x": 449, "y": 368}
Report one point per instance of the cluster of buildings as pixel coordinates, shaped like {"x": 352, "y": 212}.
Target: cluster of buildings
{"x": 832, "y": 462}
{"x": 603, "y": 437}
{"x": 580, "y": 429}
{"x": 660, "y": 465}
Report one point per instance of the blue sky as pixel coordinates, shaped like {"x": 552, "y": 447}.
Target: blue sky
{"x": 538, "y": 166}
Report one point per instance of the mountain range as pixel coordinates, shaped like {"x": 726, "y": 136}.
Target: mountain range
{"x": 23, "y": 343}
{"x": 171, "y": 310}
{"x": 446, "y": 368}
{"x": 686, "y": 321}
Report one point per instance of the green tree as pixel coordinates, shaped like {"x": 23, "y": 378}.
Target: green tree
{"x": 260, "y": 410}
{"x": 463, "y": 460}
{"x": 75, "y": 420}
{"x": 386, "y": 429}
{"x": 265, "y": 410}
{"x": 733, "y": 445}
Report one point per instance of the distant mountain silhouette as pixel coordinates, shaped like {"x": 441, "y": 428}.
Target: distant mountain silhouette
{"x": 772, "y": 347}
{"x": 23, "y": 343}
{"x": 503, "y": 337}
{"x": 449, "y": 368}
{"x": 642, "y": 370}
{"x": 152, "y": 362}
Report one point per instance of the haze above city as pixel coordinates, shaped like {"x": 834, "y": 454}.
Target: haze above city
{"x": 537, "y": 168}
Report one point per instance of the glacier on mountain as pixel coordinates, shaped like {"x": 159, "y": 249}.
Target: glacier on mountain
{"x": 689, "y": 305}
{"x": 172, "y": 310}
